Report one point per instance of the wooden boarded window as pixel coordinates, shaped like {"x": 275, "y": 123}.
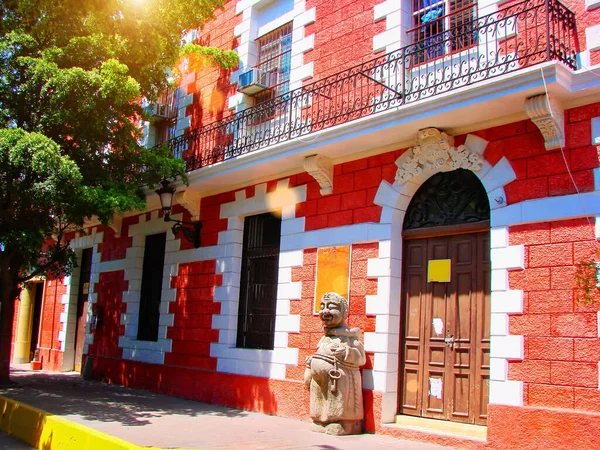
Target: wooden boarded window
{"x": 258, "y": 284}
{"x": 152, "y": 276}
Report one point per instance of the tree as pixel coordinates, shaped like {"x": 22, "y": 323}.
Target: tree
{"x": 72, "y": 77}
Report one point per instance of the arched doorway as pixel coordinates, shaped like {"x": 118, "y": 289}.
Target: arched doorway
{"x": 445, "y": 330}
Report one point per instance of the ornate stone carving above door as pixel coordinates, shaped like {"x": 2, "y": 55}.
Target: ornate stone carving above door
{"x": 435, "y": 152}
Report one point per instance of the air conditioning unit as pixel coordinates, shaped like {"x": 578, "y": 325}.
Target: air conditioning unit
{"x": 254, "y": 81}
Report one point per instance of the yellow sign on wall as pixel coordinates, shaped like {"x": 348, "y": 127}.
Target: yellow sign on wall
{"x": 438, "y": 270}
{"x": 333, "y": 272}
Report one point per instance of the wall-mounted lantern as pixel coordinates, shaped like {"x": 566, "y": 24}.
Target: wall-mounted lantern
{"x": 190, "y": 230}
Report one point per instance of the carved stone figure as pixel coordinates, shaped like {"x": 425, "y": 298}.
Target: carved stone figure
{"x": 332, "y": 373}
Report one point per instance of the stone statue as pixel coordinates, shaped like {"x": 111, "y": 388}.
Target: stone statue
{"x": 332, "y": 373}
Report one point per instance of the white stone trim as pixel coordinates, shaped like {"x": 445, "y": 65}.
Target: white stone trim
{"x": 68, "y": 318}
{"x": 548, "y": 209}
{"x": 391, "y": 39}
{"x": 184, "y": 100}
{"x": 597, "y": 228}
{"x": 241, "y": 361}
{"x": 504, "y": 301}
{"x": 592, "y": 4}
{"x": 345, "y": 235}
{"x": 596, "y": 126}
{"x": 592, "y": 36}
{"x": 506, "y": 392}
{"x": 133, "y": 349}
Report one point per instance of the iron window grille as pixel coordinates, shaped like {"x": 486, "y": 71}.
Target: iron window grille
{"x": 150, "y": 295}
{"x": 275, "y": 58}
{"x": 441, "y": 27}
{"x": 258, "y": 281}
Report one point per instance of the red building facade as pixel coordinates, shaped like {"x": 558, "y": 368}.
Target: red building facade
{"x": 399, "y": 138}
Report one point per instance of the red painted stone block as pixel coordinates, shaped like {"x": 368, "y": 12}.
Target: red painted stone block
{"x": 578, "y": 134}
{"x": 530, "y": 371}
{"x": 530, "y": 279}
{"x": 586, "y": 112}
{"x": 525, "y": 145}
{"x": 315, "y": 223}
{"x": 548, "y": 164}
{"x": 530, "y": 324}
{"x": 551, "y": 396}
{"x": 551, "y": 255}
{"x": 587, "y": 399}
{"x": 521, "y": 190}
{"x": 209, "y": 212}
{"x": 568, "y": 373}
{"x": 367, "y": 178}
{"x": 587, "y": 350}
{"x": 586, "y": 250}
{"x": 554, "y": 301}
{"x": 339, "y": 219}
{"x": 538, "y": 233}
{"x": 563, "y": 184}
{"x": 353, "y": 200}
{"x": 329, "y": 204}
{"x": 572, "y": 230}
{"x": 343, "y": 183}
{"x": 353, "y": 166}
{"x": 563, "y": 277}
{"x": 550, "y": 348}
{"x": 574, "y": 325}
{"x": 536, "y": 428}
{"x": 368, "y": 214}
{"x": 584, "y": 158}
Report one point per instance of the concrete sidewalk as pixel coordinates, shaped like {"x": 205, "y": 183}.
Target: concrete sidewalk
{"x": 148, "y": 419}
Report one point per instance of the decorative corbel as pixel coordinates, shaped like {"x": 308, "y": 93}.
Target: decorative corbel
{"x": 116, "y": 224}
{"x": 321, "y": 169}
{"x": 190, "y": 200}
{"x": 548, "y": 115}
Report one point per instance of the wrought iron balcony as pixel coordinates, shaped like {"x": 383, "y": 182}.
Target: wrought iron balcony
{"x": 446, "y": 55}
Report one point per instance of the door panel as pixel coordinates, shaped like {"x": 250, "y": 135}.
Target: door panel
{"x": 82, "y": 304}
{"x": 445, "y": 337}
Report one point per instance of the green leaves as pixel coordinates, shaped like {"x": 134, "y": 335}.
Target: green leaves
{"x": 72, "y": 76}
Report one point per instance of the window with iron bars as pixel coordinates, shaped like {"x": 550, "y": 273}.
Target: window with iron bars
{"x": 275, "y": 58}
{"x": 441, "y": 27}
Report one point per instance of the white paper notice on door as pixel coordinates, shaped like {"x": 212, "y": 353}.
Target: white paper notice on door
{"x": 438, "y": 326}
{"x": 435, "y": 387}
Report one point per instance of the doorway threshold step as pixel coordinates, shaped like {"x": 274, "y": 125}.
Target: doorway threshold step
{"x": 459, "y": 430}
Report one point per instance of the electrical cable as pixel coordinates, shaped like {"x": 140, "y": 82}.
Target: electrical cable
{"x": 562, "y": 150}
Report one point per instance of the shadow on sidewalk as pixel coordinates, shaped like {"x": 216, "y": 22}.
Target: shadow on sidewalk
{"x": 68, "y": 395}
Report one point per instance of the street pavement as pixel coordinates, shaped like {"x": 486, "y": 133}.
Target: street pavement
{"x": 148, "y": 419}
{"x": 9, "y": 443}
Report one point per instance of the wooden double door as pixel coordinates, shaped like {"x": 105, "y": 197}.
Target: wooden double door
{"x": 445, "y": 335}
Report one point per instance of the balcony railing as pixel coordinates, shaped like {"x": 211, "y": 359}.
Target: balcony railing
{"x": 518, "y": 36}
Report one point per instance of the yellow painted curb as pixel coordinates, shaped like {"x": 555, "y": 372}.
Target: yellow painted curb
{"x": 46, "y": 431}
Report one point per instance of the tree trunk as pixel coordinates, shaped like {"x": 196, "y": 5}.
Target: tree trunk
{"x": 9, "y": 290}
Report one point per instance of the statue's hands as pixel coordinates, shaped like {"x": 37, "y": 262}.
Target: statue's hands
{"x": 338, "y": 350}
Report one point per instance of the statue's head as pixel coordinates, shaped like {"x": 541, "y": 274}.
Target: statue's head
{"x": 334, "y": 310}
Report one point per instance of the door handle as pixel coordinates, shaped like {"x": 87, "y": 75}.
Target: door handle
{"x": 449, "y": 340}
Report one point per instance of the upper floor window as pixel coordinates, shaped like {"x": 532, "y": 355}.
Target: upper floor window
{"x": 275, "y": 58}
{"x": 164, "y": 117}
{"x": 441, "y": 27}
